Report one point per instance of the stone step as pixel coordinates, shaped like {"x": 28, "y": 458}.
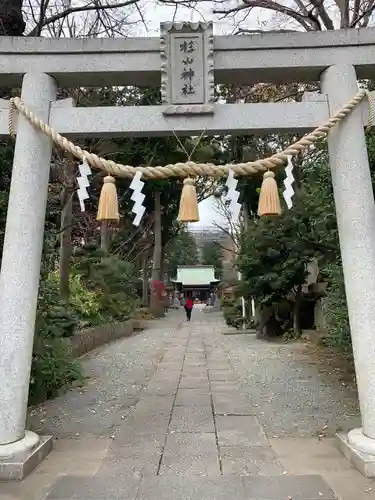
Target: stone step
{"x": 192, "y": 488}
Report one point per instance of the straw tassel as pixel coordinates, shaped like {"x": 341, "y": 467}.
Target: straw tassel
{"x": 188, "y": 204}
{"x": 269, "y": 201}
{"x": 108, "y": 202}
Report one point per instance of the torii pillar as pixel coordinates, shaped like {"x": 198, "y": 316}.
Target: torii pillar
{"x": 355, "y": 211}
{"x": 21, "y": 450}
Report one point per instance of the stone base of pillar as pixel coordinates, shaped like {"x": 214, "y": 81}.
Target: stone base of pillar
{"x": 18, "y": 459}
{"x": 352, "y": 445}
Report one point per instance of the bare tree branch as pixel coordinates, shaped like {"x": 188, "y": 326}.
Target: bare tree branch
{"x": 302, "y": 7}
{"x": 232, "y": 228}
{"x": 322, "y": 13}
{"x": 356, "y": 9}
{"x": 364, "y": 16}
{"x": 343, "y": 6}
{"x": 306, "y": 22}
{"x": 96, "y": 6}
{"x": 311, "y": 15}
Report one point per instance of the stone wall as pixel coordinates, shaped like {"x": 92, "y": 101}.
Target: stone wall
{"x": 90, "y": 338}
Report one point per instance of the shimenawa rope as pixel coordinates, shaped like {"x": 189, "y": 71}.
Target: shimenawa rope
{"x": 190, "y": 168}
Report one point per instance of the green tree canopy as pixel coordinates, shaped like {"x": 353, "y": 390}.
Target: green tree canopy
{"x": 181, "y": 251}
{"x": 212, "y": 255}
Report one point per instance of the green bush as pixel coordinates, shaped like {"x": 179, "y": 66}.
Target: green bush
{"x": 335, "y": 310}
{"x": 83, "y": 303}
{"x": 101, "y": 290}
{"x": 54, "y": 319}
{"x": 52, "y": 368}
{"x": 232, "y": 311}
{"x": 114, "y": 282}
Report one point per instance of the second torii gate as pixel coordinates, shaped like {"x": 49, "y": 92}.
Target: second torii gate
{"x": 187, "y": 61}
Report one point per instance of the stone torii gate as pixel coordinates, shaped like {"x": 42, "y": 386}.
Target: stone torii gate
{"x": 187, "y": 61}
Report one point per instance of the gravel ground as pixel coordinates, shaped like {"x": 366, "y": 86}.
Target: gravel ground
{"x": 292, "y": 395}
{"x": 116, "y": 373}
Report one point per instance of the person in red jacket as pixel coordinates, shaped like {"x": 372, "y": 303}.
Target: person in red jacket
{"x": 188, "y": 307}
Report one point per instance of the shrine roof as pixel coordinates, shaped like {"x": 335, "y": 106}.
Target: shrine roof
{"x": 196, "y": 275}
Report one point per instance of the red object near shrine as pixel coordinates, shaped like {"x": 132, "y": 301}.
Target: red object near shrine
{"x": 158, "y": 288}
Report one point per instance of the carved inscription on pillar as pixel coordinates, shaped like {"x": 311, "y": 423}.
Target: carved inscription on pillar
{"x": 187, "y": 68}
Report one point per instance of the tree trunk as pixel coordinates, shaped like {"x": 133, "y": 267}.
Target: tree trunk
{"x": 162, "y": 267}
{"x": 145, "y": 282}
{"x": 105, "y": 236}
{"x": 265, "y": 315}
{"x": 246, "y": 222}
{"x": 245, "y": 213}
{"x": 297, "y": 173}
{"x": 11, "y": 20}
{"x": 157, "y": 307}
{"x": 297, "y": 312}
{"x": 66, "y": 229}
{"x": 156, "y": 258}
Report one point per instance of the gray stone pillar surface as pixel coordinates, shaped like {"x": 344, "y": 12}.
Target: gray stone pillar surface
{"x": 355, "y": 212}
{"x": 20, "y": 266}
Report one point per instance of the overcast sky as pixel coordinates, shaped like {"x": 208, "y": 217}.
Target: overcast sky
{"x": 155, "y": 14}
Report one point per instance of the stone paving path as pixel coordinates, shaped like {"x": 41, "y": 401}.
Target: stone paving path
{"x": 165, "y": 416}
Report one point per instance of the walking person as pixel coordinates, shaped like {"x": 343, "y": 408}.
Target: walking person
{"x": 188, "y": 308}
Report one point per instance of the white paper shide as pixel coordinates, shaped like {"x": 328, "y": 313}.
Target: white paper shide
{"x": 233, "y": 195}
{"x": 138, "y": 198}
{"x": 288, "y": 183}
{"x": 83, "y": 183}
